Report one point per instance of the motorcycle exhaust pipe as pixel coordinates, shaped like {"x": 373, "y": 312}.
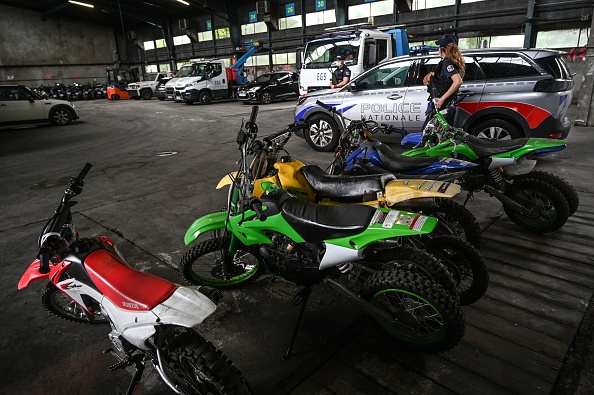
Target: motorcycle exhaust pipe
{"x": 364, "y": 305}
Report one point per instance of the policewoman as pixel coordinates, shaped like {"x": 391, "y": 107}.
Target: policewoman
{"x": 446, "y": 77}
{"x": 342, "y": 74}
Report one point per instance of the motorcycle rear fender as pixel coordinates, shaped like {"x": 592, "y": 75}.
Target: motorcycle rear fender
{"x": 397, "y": 191}
{"x": 186, "y": 307}
{"x": 205, "y": 224}
{"x": 534, "y": 146}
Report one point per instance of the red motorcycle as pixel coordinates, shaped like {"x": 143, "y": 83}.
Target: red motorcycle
{"x": 151, "y": 318}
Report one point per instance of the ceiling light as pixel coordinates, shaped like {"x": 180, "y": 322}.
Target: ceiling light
{"x": 184, "y": 2}
{"x": 80, "y": 3}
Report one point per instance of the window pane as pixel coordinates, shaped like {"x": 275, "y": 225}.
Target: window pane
{"x": 280, "y": 58}
{"x": 388, "y": 76}
{"x": 149, "y": 45}
{"x": 358, "y": 11}
{"x": 423, "y": 4}
{"x": 161, "y": 43}
{"x": 222, "y": 33}
{"x": 314, "y": 18}
{"x": 384, "y": 7}
{"x": 516, "y": 40}
{"x": 247, "y": 29}
{"x": 567, "y": 38}
{"x": 260, "y": 27}
{"x": 205, "y": 36}
{"x": 180, "y": 40}
{"x": 505, "y": 66}
{"x": 329, "y": 16}
{"x": 290, "y": 22}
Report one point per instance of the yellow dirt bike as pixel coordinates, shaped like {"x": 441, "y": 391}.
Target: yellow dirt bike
{"x": 452, "y": 240}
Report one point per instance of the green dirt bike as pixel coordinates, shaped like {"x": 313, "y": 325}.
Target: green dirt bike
{"x": 355, "y": 249}
{"x": 312, "y": 184}
{"x": 537, "y": 201}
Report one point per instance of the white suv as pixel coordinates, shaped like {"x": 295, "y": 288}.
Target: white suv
{"x": 517, "y": 93}
{"x": 21, "y": 106}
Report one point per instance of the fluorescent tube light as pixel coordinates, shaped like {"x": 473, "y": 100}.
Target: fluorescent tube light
{"x": 184, "y": 2}
{"x": 80, "y": 3}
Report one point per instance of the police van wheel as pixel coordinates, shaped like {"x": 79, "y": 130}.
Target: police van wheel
{"x": 323, "y": 133}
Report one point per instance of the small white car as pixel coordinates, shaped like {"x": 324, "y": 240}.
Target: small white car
{"x": 21, "y": 106}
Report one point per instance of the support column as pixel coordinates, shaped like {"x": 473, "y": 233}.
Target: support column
{"x": 585, "y": 112}
{"x": 340, "y": 10}
{"x": 528, "y": 25}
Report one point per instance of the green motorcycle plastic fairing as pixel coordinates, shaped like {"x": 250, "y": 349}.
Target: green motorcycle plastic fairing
{"x": 447, "y": 148}
{"x": 408, "y": 224}
{"x": 205, "y": 224}
{"x": 251, "y": 231}
{"x": 533, "y": 144}
{"x": 444, "y": 149}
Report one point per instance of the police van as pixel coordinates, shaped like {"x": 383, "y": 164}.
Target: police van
{"x": 517, "y": 93}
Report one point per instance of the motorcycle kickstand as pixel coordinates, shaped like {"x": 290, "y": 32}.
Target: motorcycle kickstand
{"x": 300, "y": 298}
{"x": 138, "y": 360}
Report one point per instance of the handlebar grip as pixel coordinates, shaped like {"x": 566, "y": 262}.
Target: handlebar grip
{"x": 256, "y": 205}
{"x": 324, "y": 105}
{"x": 44, "y": 257}
{"x": 84, "y": 171}
{"x": 254, "y": 114}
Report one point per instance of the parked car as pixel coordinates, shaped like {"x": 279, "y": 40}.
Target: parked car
{"x": 517, "y": 93}
{"x": 19, "y": 105}
{"x": 270, "y": 86}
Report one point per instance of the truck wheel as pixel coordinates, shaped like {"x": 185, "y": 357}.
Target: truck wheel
{"x": 323, "y": 133}
{"x": 266, "y": 97}
{"x": 146, "y": 94}
{"x": 496, "y": 129}
{"x": 205, "y": 98}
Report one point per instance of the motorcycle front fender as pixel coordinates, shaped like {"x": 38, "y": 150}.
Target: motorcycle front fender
{"x": 32, "y": 274}
{"x": 412, "y": 139}
{"x": 226, "y": 180}
{"x": 205, "y": 224}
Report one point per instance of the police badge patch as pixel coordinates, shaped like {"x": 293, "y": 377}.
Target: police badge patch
{"x": 450, "y": 68}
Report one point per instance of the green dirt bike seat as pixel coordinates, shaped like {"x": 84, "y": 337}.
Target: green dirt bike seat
{"x": 316, "y": 222}
{"x": 484, "y": 148}
{"x": 345, "y": 188}
{"x": 397, "y": 163}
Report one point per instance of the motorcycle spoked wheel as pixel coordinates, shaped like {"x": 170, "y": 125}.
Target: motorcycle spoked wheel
{"x": 203, "y": 264}
{"x": 550, "y": 209}
{"x": 464, "y": 262}
{"x": 424, "y": 316}
{"x": 456, "y": 220}
{"x": 198, "y": 367}
{"x": 60, "y": 305}
{"x": 413, "y": 260}
{"x": 566, "y": 188}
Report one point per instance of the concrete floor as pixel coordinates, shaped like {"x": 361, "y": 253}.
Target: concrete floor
{"x": 145, "y": 200}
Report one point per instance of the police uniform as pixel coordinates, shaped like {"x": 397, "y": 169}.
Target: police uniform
{"x": 339, "y": 74}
